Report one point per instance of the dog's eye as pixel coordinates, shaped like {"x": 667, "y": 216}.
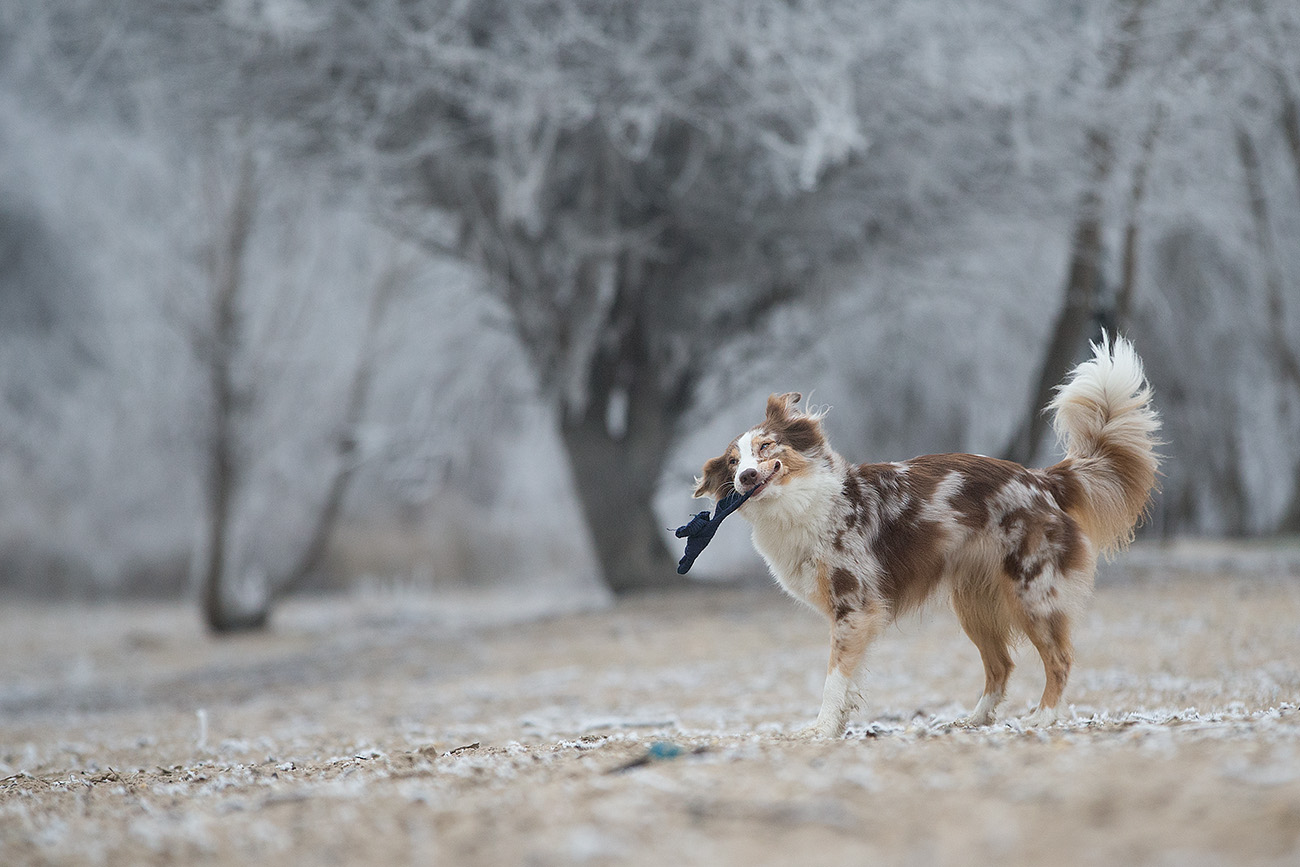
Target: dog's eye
{"x": 731, "y": 462}
{"x": 765, "y": 448}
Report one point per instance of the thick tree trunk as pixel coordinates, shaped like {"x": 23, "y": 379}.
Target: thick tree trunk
{"x": 1073, "y": 322}
{"x": 615, "y": 479}
{"x": 1127, "y": 289}
{"x": 617, "y": 444}
{"x": 1069, "y": 330}
{"x": 617, "y": 502}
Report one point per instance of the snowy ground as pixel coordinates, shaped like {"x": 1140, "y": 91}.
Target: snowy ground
{"x": 389, "y": 732}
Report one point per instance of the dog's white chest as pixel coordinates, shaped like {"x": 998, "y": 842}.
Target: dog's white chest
{"x": 796, "y": 574}
{"x": 791, "y": 532}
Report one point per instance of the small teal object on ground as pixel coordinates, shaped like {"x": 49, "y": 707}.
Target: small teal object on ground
{"x": 664, "y": 750}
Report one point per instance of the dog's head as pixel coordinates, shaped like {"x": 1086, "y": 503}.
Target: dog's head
{"x": 786, "y": 445}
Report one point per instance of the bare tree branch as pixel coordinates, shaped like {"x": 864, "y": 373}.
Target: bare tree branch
{"x": 226, "y": 270}
{"x": 346, "y": 445}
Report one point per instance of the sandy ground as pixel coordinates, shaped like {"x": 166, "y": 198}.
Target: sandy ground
{"x": 384, "y": 731}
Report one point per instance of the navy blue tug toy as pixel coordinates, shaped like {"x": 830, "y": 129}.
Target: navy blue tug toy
{"x": 699, "y": 531}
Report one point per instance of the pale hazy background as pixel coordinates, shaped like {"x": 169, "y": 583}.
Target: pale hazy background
{"x": 421, "y": 285}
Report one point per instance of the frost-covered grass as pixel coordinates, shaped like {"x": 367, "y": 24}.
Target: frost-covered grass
{"x": 657, "y": 731}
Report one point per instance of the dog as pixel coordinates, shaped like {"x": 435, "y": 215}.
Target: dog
{"x": 1015, "y": 548}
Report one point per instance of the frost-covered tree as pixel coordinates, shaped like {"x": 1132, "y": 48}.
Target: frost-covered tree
{"x": 1182, "y": 114}
{"x": 197, "y": 357}
{"x": 627, "y": 176}
{"x": 646, "y": 191}
{"x": 1213, "y": 183}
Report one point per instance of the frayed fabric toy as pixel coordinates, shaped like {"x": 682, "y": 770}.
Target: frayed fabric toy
{"x": 699, "y": 531}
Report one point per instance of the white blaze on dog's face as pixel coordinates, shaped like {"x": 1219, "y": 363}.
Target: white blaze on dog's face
{"x": 767, "y": 456}
{"x": 758, "y": 465}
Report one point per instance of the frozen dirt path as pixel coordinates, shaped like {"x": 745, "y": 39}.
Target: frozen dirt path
{"x": 652, "y": 733}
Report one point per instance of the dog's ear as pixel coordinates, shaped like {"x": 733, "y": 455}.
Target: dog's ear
{"x": 799, "y": 430}
{"x": 781, "y": 406}
{"x": 714, "y": 479}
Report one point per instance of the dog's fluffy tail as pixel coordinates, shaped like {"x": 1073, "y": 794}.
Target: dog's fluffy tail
{"x": 1105, "y": 420}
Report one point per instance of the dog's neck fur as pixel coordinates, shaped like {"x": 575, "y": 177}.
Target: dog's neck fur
{"x": 794, "y": 523}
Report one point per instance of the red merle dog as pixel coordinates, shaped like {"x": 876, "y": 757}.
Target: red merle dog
{"x": 1015, "y": 548}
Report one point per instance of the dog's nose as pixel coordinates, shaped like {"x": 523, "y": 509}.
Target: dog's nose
{"x": 749, "y": 477}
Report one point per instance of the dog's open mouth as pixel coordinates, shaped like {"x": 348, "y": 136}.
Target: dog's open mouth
{"x": 758, "y": 488}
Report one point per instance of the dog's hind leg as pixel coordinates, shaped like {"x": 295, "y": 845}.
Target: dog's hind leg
{"x": 1051, "y": 574}
{"x": 851, "y": 633}
{"x": 982, "y": 615}
{"x": 1050, "y": 635}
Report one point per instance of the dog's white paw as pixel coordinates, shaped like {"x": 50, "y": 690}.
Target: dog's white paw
{"x": 985, "y": 712}
{"x": 818, "y": 732}
{"x": 1041, "y": 718}
{"x": 977, "y": 719}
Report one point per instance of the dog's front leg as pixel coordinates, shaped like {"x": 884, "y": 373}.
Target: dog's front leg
{"x": 836, "y": 706}
{"x": 851, "y": 633}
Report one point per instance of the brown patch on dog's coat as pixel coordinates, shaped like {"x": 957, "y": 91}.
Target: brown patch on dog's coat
{"x": 803, "y": 433}
{"x": 715, "y": 479}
